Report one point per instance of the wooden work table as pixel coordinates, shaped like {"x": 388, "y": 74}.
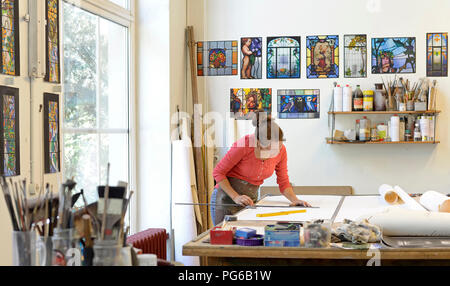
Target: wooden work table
{"x": 235, "y": 255}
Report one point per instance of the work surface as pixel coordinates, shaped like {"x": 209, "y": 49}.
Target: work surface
{"x": 335, "y": 208}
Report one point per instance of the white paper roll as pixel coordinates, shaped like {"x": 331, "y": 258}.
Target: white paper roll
{"x": 338, "y": 99}
{"x": 395, "y": 221}
{"x": 389, "y": 195}
{"x": 347, "y": 99}
{"x": 410, "y": 203}
{"x": 183, "y": 217}
{"x": 435, "y": 202}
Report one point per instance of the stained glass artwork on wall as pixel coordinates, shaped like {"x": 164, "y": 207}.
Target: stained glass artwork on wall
{"x": 10, "y": 155}
{"x": 51, "y": 133}
{"x": 393, "y": 55}
{"x": 355, "y": 56}
{"x": 299, "y": 104}
{"x": 245, "y": 101}
{"x": 10, "y": 61}
{"x": 217, "y": 58}
{"x": 437, "y": 54}
{"x": 283, "y": 57}
{"x": 322, "y": 56}
{"x": 251, "y": 58}
{"x": 53, "y": 59}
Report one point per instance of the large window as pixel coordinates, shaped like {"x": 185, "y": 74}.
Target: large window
{"x": 96, "y": 99}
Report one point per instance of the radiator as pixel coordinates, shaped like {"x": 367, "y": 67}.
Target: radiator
{"x": 151, "y": 241}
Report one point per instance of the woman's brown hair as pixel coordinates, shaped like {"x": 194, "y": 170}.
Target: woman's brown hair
{"x": 266, "y": 131}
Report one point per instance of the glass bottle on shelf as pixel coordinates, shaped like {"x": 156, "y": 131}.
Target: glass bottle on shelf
{"x": 358, "y": 99}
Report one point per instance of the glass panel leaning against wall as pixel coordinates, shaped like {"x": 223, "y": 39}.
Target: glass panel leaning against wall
{"x": 96, "y": 100}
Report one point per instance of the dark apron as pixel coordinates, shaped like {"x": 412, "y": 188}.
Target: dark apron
{"x": 219, "y": 197}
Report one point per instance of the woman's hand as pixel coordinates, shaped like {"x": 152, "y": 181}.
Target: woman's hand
{"x": 300, "y": 203}
{"x": 243, "y": 200}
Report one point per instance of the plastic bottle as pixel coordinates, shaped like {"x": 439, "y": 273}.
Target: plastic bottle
{"x": 382, "y": 131}
{"x": 347, "y": 99}
{"x": 417, "y": 134}
{"x": 338, "y": 94}
{"x": 364, "y": 129}
{"x": 402, "y": 129}
{"x": 358, "y": 99}
{"x": 357, "y": 129}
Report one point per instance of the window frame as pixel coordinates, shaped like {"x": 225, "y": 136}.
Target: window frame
{"x": 125, "y": 17}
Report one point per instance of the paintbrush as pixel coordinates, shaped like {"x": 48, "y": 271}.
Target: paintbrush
{"x": 9, "y": 204}
{"x": 122, "y": 220}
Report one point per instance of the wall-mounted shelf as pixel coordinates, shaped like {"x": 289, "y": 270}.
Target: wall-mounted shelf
{"x": 385, "y": 112}
{"x": 330, "y": 141}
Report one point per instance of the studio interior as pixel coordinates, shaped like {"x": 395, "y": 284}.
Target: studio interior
{"x": 224, "y": 133}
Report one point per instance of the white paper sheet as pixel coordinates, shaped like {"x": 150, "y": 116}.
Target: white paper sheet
{"x": 435, "y": 202}
{"x": 355, "y": 207}
{"x": 327, "y": 207}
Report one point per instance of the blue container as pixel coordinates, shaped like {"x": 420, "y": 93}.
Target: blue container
{"x": 245, "y": 233}
{"x": 282, "y": 235}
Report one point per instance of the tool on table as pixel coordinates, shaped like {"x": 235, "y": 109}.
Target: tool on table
{"x": 114, "y": 213}
{"x": 280, "y": 213}
{"x": 247, "y": 207}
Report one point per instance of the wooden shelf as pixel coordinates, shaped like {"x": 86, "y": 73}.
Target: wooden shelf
{"x": 329, "y": 141}
{"x": 386, "y": 112}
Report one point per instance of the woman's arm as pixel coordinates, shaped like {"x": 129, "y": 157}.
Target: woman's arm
{"x": 290, "y": 195}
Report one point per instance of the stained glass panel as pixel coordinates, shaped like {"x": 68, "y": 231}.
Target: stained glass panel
{"x": 437, "y": 54}
{"x": 10, "y": 155}
{"x": 322, "y": 56}
{"x": 10, "y": 37}
{"x": 245, "y": 101}
{"x": 393, "y": 55}
{"x": 217, "y": 58}
{"x": 355, "y": 56}
{"x": 51, "y": 129}
{"x": 283, "y": 57}
{"x": 53, "y": 59}
{"x": 299, "y": 104}
{"x": 251, "y": 58}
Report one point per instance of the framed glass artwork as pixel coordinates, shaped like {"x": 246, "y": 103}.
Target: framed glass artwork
{"x": 283, "y": 57}
{"x": 393, "y": 55}
{"x": 355, "y": 56}
{"x": 437, "y": 54}
{"x": 251, "y": 58}
{"x": 10, "y": 63}
{"x": 51, "y": 133}
{"x": 217, "y": 58}
{"x": 322, "y": 57}
{"x": 245, "y": 101}
{"x": 299, "y": 104}
{"x": 10, "y": 135}
{"x": 53, "y": 74}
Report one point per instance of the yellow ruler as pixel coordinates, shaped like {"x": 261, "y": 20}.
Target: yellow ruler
{"x": 281, "y": 213}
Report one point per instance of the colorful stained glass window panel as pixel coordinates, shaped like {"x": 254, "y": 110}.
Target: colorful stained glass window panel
{"x": 245, "y": 101}
{"x": 251, "y": 58}
{"x": 217, "y": 58}
{"x": 393, "y": 55}
{"x": 10, "y": 37}
{"x": 53, "y": 59}
{"x": 283, "y": 57}
{"x": 322, "y": 56}
{"x": 355, "y": 56}
{"x": 51, "y": 128}
{"x": 437, "y": 54}
{"x": 10, "y": 154}
{"x": 299, "y": 104}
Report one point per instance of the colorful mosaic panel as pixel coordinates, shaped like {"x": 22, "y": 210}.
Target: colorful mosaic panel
{"x": 10, "y": 132}
{"x": 245, "y": 101}
{"x": 10, "y": 37}
{"x": 218, "y": 58}
{"x": 322, "y": 56}
{"x": 53, "y": 58}
{"x": 299, "y": 104}
{"x": 51, "y": 129}
{"x": 437, "y": 54}
{"x": 283, "y": 57}
{"x": 393, "y": 55}
{"x": 355, "y": 56}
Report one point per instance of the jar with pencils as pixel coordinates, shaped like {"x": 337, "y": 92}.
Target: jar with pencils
{"x": 107, "y": 253}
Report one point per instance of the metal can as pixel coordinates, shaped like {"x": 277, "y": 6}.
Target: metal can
{"x": 368, "y": 100}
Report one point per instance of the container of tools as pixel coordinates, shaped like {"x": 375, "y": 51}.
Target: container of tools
{"x": 317, "y": 234}
{"x": 24, "y": 248}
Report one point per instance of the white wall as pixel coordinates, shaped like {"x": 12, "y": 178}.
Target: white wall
{"x": 311, "y": 161}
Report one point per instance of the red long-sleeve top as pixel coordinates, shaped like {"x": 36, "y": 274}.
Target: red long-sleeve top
{"x": 240, "y": 162}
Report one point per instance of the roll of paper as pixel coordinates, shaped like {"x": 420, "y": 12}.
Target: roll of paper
{"x": 435, "y": 202}
{"x": 347, "y": 99}
{"x": 389, "y": 195}
{"x": 395, "y": 221}
{"x": 410, "y": 203}
{"x": 338, "y": 99}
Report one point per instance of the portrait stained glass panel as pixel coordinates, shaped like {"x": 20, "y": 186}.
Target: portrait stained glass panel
{"x": 251, "y": 58}
{"x": 437, "y": 54}
{"x": 355, "y": 56}
{"x": 51, "y": 133}
{"x": 393, "y": 55}
{"x": 10, "y": 155}
{"x": 245, "y": 101}
{"x": 299, "y": 104}
{"x": 10, "y": 60}
{"x": 322, "y": 56}
{"x": 53, "y": 55}
{"x": 283, "y": 57}
{"x": 217, "y": 58}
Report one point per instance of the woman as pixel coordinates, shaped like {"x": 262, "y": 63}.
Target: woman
{"x": 247, "y": 164}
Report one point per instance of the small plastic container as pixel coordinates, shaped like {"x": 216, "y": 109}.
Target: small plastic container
{"x": 44, "y": 248}
{"x": 63, "y": 240}
{"x": 317, "y": 234}
{"x": 24, "y": 248}
{"x": 107, "y": 253}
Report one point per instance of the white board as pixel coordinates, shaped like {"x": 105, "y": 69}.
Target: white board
{"x": 327, "y": 207}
